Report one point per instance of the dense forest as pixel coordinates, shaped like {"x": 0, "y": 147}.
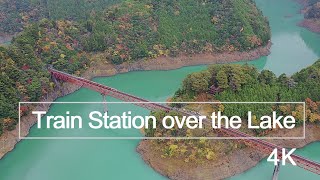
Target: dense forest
{"x": 148, "y": 29}
{"x": 63, "y": 33}
{"x": 243, "y": 83}
{"x": 15, "y": 14}
{"x": 238, "y": 83}
{"x": 24, "y": 76}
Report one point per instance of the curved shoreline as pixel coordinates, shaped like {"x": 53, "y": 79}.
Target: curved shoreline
{"x": 171, "y": 63}
{"x": 225, "y": 166}
{"x": 11, "y": 138}
{"x": 312, "y": 25}
{"x": 161, "y": 63}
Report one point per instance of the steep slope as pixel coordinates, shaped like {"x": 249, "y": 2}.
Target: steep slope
{"x": 220, "y": 159}
{"x": 126, "y": 32}
{"x": 15, "y": 14}
{"x": 150, "y": 28}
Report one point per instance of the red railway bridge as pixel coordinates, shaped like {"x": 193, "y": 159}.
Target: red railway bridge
{"x": 259, "y": 144}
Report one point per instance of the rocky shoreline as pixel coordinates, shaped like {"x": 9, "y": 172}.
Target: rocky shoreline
{"x": 224, "y": 167}
{"x": 11, "y": 138}
{"x": 311, "y": 24}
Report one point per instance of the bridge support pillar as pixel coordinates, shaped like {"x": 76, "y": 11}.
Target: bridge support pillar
{"x": 104, "y": 100}
{"x": 276, "y": 172}
{"x": 55, "y": 80}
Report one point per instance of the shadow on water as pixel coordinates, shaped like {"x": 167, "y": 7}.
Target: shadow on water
{"x": 312, "y": 40}
{"x": 293, "y": 47}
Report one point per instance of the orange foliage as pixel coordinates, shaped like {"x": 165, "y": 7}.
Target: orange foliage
{"x": 254, "y": 40}
{"x": 8, "y": 123}
{"x": 68, "y": 46}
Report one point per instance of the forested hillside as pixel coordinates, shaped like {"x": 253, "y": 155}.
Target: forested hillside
{"x": 130, "y": 31}
{"x": 24, "y": 76}
{"x": 243, "y": 83}
{"x": 236, "y": 83}
{"x": 15, "y": 14}
{"x": 149, "y": 28}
